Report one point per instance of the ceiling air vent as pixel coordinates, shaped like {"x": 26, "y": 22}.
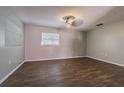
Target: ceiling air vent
{"x": 100, "y": 24}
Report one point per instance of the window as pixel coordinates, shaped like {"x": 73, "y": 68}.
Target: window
{"x": 49, "y": 39}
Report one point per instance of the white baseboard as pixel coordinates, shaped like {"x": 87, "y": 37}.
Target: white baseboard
{"x": 10, "y": 73}
{"x": 30, "y": 60}
{"x": 106, "y": 61}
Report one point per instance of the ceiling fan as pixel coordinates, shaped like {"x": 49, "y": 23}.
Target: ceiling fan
{"x": 72, "y": 21}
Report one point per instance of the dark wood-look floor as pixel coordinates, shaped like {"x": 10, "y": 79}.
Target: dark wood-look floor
{"x": 78, "y": 72}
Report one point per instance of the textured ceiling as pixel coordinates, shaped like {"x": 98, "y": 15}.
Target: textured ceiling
{"x": 51, "y": 16}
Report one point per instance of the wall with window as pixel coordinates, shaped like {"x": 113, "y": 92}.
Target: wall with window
{"x": 47, "y": 43}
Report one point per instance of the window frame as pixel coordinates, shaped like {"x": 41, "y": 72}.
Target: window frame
{"x": 50, "y": 44}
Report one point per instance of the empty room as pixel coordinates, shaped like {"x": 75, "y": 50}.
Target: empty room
{"x": 61, "y": 46}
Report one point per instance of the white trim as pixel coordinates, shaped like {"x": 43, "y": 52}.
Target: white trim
{"x": 30, "y": 60}
{"x": 106, "y": 61}
{"x": 10, "y": 73}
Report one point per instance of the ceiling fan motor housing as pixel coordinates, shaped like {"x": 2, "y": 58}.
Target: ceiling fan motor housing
{"x": 69, "y": 19}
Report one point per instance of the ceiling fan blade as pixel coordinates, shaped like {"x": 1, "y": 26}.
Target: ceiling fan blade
{"x": 77, "y": 23}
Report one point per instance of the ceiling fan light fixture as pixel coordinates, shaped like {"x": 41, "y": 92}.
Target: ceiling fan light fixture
{"x": 69, "y": 19}
{"x": 72, "y": 21}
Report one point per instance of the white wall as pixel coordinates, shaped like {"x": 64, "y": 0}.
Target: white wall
{"x": 11, "y": 41}
{"x": 72, "y": 44}
{"x": 107, "y": 43}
